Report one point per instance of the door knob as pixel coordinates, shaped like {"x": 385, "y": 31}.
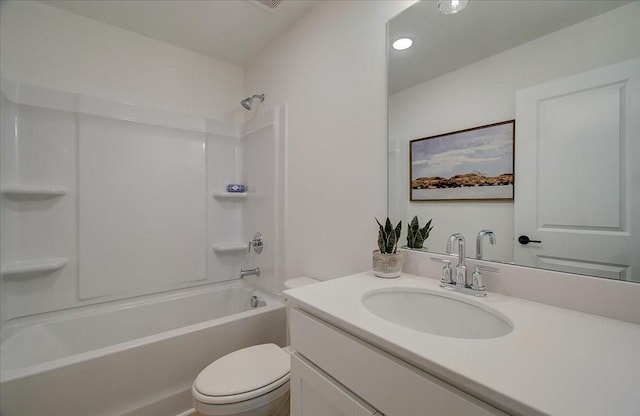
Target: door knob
{"x": 524, "y": 239}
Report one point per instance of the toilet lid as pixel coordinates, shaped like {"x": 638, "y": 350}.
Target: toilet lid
{"x": 244, "y": 370}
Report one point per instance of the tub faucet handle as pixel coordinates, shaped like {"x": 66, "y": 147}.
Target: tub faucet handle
{"x": 257, "y": 243}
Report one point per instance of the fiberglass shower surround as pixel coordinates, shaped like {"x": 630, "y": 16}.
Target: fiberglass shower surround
{"x": 98, "y": 208}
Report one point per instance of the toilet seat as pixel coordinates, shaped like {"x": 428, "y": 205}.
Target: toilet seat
{"x": 243, "y": 375}
{"x": 274, "y": 397}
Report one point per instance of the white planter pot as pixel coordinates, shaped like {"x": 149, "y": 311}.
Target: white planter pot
{"x": 388, "y": 266}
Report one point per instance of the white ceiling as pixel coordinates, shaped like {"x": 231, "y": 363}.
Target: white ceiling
{"x": 233, "y": 31}
{"x": 443, "y": 43}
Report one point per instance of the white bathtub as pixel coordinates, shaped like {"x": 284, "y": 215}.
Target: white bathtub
{"x": 135, "y": 357}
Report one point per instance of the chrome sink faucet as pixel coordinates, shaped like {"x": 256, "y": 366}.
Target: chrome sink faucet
{"x": 451, "y": 242}
{"x": 479, "y": 240}
{"x": 461, "y": 269}
{"x": 459, "y": 281}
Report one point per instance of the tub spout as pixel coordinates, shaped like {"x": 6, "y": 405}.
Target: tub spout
{"x": 249, "y": 272}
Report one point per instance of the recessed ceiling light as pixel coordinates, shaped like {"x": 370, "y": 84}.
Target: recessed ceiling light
{"x": 452, "y": 6}
{"x": 402, "y": 44}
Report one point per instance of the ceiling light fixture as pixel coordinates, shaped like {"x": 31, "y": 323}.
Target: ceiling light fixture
{"x": 402, "y": 44}
{"x": 452, "y": 6}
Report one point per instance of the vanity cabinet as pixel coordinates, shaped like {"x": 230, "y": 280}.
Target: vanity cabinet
{"x": 315, "y": 393}
{"x": 331, "y": 358}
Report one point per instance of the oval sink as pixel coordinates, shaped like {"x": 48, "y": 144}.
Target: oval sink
{"x": 436, "y": 313}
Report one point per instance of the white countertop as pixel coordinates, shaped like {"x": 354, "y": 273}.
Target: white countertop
{"x": 555, "y": 361}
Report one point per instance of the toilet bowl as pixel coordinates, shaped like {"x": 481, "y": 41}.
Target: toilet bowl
{"x": 253, "y": 381}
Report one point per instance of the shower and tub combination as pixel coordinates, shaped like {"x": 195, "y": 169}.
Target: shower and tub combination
{"x": 132, "y": 357}
{"x": 122, "y": 251}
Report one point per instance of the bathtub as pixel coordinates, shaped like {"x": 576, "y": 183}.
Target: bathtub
{"x": 136, "y": 357}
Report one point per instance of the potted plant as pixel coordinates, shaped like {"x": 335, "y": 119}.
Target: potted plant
{"x": 416, "y": 236}
{"x": 387, "y": 262}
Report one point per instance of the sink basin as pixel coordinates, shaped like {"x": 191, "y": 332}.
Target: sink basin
{"x": 437, "y": 313}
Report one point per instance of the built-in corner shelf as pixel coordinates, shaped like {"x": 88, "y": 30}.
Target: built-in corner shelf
{"x": 35, "y": 192}
{"x": 33, "y": 266}
{"x": 230, "y": 247}
{"x": 230, "y": 195}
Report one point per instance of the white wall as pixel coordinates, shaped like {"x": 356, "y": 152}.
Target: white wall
{"x": 330, "y": 70}
{"x": 484, "y": 93}
{"x": 49, "y": 47}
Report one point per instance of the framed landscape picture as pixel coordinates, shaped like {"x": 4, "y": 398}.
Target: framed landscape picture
{"x": 471, "y": 164}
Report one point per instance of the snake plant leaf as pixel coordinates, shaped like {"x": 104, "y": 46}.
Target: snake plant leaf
{"x": 416, "y": 236}
{"x": 414, "y": 226}
{"x": 381, "y": 227}
{"x": 413, "y": 231}
{"x": 382, "y": 239}
{"x": 411, "y": 240}
{"x": 426, "y": 230}
{"x": 388, "y": 237}
{"x": 388, "y": 227}
{"x": 414, "y": 241}
{"x": 391, "y": 243}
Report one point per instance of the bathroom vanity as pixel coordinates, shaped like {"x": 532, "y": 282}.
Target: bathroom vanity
{"x": 355, "y": 355}
{"x": 367, "y": 372}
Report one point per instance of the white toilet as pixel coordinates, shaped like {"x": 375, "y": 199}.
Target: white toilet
{"x": 253, "y": 381}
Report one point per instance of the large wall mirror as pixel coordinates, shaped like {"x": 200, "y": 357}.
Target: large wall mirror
{"x": 568, "y": 73}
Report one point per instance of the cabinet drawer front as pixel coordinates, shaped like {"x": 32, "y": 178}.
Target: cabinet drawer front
{"x": 315, "y": 393}
{"x": 390, "y": 385}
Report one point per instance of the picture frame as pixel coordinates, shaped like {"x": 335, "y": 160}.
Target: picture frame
{"x": 475, "y": 164}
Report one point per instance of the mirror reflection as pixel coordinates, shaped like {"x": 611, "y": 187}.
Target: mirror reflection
{"x": 569, "y": 74}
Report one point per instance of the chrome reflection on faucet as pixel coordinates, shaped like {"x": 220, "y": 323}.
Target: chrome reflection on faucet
{"x": 479, "y": 240}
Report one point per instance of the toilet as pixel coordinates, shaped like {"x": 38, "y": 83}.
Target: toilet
{"x": 253, "y": 381}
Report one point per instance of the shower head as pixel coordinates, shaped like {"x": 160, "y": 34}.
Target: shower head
{"x": 246, "y": 103}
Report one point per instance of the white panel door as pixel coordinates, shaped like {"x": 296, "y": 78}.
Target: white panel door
{"x": 578, "y": 173}
{"x": 314, "y": 393}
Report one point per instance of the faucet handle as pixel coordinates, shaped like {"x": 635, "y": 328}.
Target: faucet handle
{"x": 446, "y": 270}
{"x": 476, "y": 280}
{"x": 257, "y": 243}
